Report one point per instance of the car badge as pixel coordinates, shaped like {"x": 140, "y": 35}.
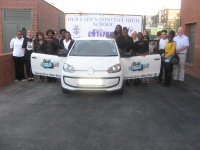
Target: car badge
{"x": 91, "y": 71}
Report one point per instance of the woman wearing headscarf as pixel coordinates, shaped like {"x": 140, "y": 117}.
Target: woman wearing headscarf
{"x": 134, "y": 36}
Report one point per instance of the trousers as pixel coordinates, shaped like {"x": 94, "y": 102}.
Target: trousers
{"x": 168, "y": 72}
{"x": 179, "y": 70}
{"x": 19, "y": 67}
{"x": 28, "y": 68}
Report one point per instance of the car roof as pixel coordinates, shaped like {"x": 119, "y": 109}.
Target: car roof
{"x": 92, "y": 38}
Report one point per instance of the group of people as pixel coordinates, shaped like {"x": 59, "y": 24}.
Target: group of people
{"x": 24, "y": 44}
{"x": 138, "y": 44}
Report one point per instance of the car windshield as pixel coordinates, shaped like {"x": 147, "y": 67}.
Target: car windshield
{"x": 95, "y": 48}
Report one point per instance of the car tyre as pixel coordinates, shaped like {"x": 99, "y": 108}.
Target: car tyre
{"x": 65, "y": 90}
{"x": 121, "y": 91}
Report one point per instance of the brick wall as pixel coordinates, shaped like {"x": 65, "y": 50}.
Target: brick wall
{"x": 189, "y": 14}
{"x": 48, "y": 14}
{"x": 49, "y": 17}
{"x": 1, "y": 33}
{"x": 20, "y": 5}
{"x": 7, "y": 72}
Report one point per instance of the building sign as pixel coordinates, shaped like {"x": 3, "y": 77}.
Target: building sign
{"x": 88, "y": 25}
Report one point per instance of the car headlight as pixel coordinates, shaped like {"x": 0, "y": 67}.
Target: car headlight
{"x": 114, "y": 69}
{"x": 68, "y": 68}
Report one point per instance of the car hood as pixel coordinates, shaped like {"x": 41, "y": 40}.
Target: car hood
{"x": 97, "y": 63}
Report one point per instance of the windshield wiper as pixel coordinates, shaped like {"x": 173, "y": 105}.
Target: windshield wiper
{"x": 111, "y": 55}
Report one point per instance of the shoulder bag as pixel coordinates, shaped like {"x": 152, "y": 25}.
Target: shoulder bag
{"x": 175, "y": 58}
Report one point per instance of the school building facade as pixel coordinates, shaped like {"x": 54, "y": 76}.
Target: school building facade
{"x": 15, "y": 15}
{"x": 190, "y": 20}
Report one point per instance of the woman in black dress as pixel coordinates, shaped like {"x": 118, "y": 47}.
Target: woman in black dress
{"x": 141, "y": 49}
{"x": 51, "y": 46}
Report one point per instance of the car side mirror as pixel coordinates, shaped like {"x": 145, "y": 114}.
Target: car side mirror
{"x": 63, "y": 54}
{"x": 126, "y": 55}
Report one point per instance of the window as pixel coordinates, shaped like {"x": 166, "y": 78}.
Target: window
{"x": 17, "y": 15}
{"x": 13, "y": 21}
{"x": 94, "y": 48}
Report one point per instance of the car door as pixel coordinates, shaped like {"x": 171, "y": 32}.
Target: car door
{"x": 141, "y": 67}
{"x": 47, "y": 65}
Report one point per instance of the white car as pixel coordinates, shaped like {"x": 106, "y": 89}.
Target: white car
{"x": 94, "y": 64}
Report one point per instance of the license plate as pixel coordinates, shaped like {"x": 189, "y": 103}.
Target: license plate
{"x": 91, "y": 82}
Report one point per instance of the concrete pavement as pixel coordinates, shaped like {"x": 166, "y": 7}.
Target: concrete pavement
{"x": 147, "y": 117}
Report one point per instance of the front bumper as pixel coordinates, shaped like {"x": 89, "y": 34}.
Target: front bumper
{"x": 108, "y": 82}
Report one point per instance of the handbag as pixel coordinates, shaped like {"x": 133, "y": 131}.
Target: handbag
{"x": 175, "y": 59}
{"x": 161, "y": 51}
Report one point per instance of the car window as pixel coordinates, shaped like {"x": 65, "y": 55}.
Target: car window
{"x": 94, "y": 48}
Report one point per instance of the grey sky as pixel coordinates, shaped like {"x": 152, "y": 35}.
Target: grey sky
{"x": 135, "y": 7}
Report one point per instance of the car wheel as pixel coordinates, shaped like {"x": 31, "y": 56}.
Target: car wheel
{"x": 65, "y": 90}
{"x": 121, "y": 91}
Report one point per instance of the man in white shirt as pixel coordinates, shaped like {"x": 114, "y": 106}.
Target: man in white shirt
{"x": 162, "y": 43}
{"x": 182, "y": 44}
{"x": 163, "y": 39}
{"x": 18, "y": 56}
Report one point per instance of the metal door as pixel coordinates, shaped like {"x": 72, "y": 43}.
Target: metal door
{"x": 9, "y": 32}
{"x": 13, "y": 21}
{"x": 141, "y": 67}
{"x": 47, "y": 65}
{"x": 190, "y": 53}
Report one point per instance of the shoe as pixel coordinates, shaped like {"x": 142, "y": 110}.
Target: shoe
{"x": 32, "y": 79}
{"x": 42, "y": 78}
{"x": 136, "y": 82}
{"x": 147, "y": 81}
{"x": 54, "y": 81}
{"x": 29, "y": 79}
{"x": 16, "y": 80}
{"x": 158, "y": 82}
{"x": 127, "y": 83}
{"x": 166, "y": 85}
{"x": 23, "y": 80}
